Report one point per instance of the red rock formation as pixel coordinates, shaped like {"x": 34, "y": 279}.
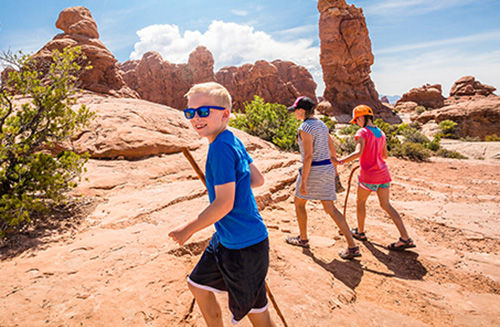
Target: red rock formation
{"x": 346, "y": 58}
{"x": 468, "y": 86}
{"x": 429, "y": 96}
{"x": 80, "y": 29}
{"x": 159, "y": 81}
{"x": 276, "y": 82}
{"x": 475, "y": 118}
{"x": 162, "y": 82}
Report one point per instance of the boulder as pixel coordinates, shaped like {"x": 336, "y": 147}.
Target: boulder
{"x": 468, "y": 86}
{"x": 429, "y": 96}
{"x": 80, "y": 29}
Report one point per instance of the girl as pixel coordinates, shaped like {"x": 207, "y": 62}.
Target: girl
{"x": 374, "y": 175}
{"x": 316, "y": 180}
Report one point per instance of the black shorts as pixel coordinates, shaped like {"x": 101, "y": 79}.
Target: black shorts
{"x": 241, "y": 273}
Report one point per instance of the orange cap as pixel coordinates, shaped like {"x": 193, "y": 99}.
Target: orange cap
{"x": 361, "y": 110}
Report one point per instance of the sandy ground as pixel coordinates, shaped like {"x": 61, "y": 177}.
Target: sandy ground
{"x": 110, "y": 263}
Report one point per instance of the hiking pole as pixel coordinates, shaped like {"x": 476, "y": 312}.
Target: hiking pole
{"x": 201, "y": 176}
{"x": 349, "y": 188}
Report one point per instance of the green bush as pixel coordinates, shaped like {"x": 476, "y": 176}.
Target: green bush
{"x": 269, "y": 121}
{"x": 414, "y": 136}
{"x": 492, "y": 138}
{"x": 434, "y": 144}
{"x": 450, "y": 154}
{"x": 330, "y": 123}
{"x": 32, "y": 179}
{"x": 350, "y": 129}
{"x": 420, "y": 109}
{"x": 412, "y": 151}
{"x": 470, "y": 139}
{"x": 448, "y": 129}
{"x": 347, "y": 145}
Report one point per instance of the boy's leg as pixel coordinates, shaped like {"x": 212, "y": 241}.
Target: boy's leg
{"x": 383, "y": 197}
{"x": 208, "y": 305}
{"x": 361, "y": 198}
{"x": 340, "y": 220}
{"x": 300, "y": 211}
{"x": 261, "y": 319}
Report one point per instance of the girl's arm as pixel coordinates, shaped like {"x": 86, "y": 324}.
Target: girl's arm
{"x": 221, "y": 206}
{"x": 357, "y": 153}
{"x": 256, "y": 177}
{"x": 333, "y": 151}
{"x": 385, "y": 153}
{"x": 307, "y": 142}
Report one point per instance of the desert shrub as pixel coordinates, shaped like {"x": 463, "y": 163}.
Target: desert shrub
{"x": 470, "y": 139}
{"x": 434, "y": 144}
{"x": 269, "y": 121}
{"x": 347, "y": 145}
{"x": 420, "y": 109}
{"x": 450, "y": 154}
{"x": 412, "y": 151}
{"x": 492, "y": 138}
{"x": 448, "y": 129}
{"x": 330, "y": 123}
{"x": 413, "y": 135}
{"x": 350, "y": 129}
{"x": 33, "y": 179}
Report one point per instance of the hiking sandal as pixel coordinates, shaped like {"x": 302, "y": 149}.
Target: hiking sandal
{"x": 350, "y": 253}
{"x": 407, "y": 244}
{"x": 297, "y": 241}
{"x": 357, "y": 235}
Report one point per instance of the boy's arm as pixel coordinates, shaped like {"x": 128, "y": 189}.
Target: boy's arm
{"x": 256, "y": 177}
{"x": 221, "y": 206}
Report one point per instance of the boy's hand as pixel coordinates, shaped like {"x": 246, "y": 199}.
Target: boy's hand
{"x": 180, "y": 235}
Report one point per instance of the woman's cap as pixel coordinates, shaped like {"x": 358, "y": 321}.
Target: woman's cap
{"x": 361, "y": 110}
{"x": 302, "y": 102}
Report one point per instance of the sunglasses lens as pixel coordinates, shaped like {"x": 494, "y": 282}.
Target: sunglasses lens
{"x": 203, "y": 111}
{"x": 189, "y": 113}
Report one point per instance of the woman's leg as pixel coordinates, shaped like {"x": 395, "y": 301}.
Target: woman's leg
{"x": 361, "y": 198}
{"x": 383, "y": 197}
{"x": 300, "y": 211}
{"x": 339, "y": 219}
{"x": 208, "y": 305}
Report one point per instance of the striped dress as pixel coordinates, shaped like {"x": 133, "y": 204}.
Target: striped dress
{"x": 320, "y": 183}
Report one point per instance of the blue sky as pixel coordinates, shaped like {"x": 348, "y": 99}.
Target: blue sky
{"x": 414, "y": 41}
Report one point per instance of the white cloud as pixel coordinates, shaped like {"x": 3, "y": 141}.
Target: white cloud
{"x": 231, "y": 44}
{"x": 239, "y": 12}
{"x": 398, "y": 74}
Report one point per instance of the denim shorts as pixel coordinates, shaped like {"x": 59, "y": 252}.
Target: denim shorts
{"x": 373, "y": 187}
{"x": 241, "y": 273}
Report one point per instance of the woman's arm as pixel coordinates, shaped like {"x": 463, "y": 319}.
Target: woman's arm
{"x": 256, "y": 177}
{"x": 307, "y": 143}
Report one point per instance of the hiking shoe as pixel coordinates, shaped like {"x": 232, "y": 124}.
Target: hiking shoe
{"x": 297, "y": 241}
{"x": 350, "y": 253}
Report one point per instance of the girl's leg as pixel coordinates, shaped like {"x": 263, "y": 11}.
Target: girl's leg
{"x": 209, "y": 306}
{"x": 383, "y": 197}
{"x": 361, "y": 198}
{"x": 300, "y": 211}
{"x": 339, "y": 219}
{"x": 262, "y": 319}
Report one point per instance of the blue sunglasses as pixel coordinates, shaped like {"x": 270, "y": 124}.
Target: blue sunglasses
{"x": 202, "y": 111}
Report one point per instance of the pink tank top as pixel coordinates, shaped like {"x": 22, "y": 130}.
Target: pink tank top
{"x": 373, "y": 167}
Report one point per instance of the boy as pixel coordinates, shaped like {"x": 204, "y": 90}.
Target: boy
{"x": 237, "y": 257}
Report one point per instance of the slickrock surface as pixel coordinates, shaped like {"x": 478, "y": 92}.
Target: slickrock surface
{"x": 110, "y": 262}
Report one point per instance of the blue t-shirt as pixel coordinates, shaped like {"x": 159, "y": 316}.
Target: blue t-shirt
{"x": 228, "y": 161}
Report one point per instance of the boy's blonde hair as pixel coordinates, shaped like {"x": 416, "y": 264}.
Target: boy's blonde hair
{"x": 218, "y": 92}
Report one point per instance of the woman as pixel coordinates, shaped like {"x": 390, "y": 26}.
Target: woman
{"x": 316, "y": 180}
{"x": 374, "y": 175}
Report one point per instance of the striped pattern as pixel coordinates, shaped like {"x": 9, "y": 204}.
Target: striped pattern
{"x": 320, "y": 184}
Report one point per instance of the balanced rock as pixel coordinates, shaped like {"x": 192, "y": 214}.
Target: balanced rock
{"x": 468, "y": 86}
{"x": 80, "y": 29}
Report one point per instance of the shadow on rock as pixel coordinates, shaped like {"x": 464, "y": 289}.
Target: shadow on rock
{"x": 348, "y": 272}
{"x": 404, "y": 264}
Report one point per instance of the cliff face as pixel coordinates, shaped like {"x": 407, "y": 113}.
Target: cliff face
{"x": 346, "y": 58}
